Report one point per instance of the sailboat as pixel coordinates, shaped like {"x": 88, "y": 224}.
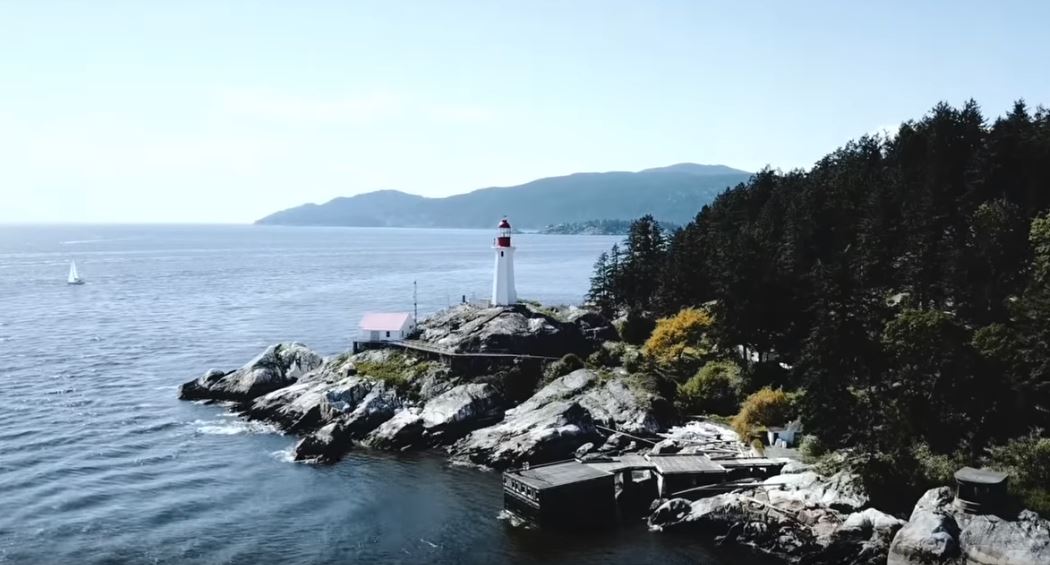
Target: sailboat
{"x": 74, "y": 276}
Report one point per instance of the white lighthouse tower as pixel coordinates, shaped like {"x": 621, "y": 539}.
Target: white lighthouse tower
{"x": 503, "y": 292}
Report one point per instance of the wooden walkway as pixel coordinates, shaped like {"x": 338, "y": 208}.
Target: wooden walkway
{"x": 423, "y": 347}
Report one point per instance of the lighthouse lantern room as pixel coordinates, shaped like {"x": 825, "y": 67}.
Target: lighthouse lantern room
{"x": 503, "y": 292}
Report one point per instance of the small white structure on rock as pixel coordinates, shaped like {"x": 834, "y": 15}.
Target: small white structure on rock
{"x": 503, "y": 293}
{"x": 386, "y": 326}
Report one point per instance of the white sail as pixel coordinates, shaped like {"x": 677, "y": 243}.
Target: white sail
{"x": 74, "y": 276}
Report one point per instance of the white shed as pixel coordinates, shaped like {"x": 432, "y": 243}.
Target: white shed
{"x": 386, "y": 326}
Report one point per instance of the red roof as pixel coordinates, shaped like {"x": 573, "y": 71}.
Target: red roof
{"x": 504, "y": 224}
{"x": 385, "y": 321}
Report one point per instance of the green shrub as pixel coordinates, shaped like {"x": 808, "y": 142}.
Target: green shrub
{"x": 567, "y": 364}
{"x": 812, "y": 448}
{"x": 1027, "y": 460}
{"x": 636, "y": 328}
{"x": 608, "y": 355}
{"x": 633, "y": 360}
{"x": 766, "y": 407}
{"x": 398, "y": 371}
{"x": 715, "y": 389}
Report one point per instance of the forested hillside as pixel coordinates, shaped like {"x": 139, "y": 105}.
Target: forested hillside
{"x": 898, "y": 291}
{"x": 670, "y": 194}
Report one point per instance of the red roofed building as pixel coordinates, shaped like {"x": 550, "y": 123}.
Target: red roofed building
{"x": 386, "y": 326}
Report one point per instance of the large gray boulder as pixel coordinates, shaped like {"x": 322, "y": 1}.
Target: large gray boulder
{"x": 938, "y": 532}
{"x": 277, "y": 367}
{"x": 841, "y": 491}
{"x": 460, "y": 410}
{"x": 403, "y": 430}
{"x": 559, "y": 418}
{"x": 614, "y": 402}
{"x": 518, "y": 329}
{"x": 548, "y": 433}
{"x": 798, "y": 528}
{"x": 377, "y": 406}
{"x": 326, "y": 445}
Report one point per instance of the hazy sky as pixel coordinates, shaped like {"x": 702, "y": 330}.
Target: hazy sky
{"x": 224, "y": 111}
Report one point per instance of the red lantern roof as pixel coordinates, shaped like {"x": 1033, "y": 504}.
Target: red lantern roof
{"x": 504, "y": 224}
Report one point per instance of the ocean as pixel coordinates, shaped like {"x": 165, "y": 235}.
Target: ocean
{"x": 101, "y": 463}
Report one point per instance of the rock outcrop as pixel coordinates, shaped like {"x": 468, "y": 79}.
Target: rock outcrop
{"x": 460, "y": 410}
{"x": 938, "y": 532}
{"x": 561, "y": 417}
{"x": 277, "y": 367}
{"x": 404, "y": 430}
{"x": 519, "y": 329}
{"x": 802, "y": 519}
{"x": 546, "y": 433}
{"x": 389, "y": 399}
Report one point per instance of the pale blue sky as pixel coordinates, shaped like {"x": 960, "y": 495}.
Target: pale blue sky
{"x": 223, "y": 111}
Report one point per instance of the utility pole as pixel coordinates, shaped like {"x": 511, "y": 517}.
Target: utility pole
{"x": 415, "y": 304}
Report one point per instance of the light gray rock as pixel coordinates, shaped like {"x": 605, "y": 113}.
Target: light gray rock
{"x": 280, "y": 365}
{"x": 798, "y": 528}
{"x": 616, "y": 403}
{"x": 548, "y": 433}
{"x": 405, "y": 429}
{"x": 615, "y": 443}
{"x": 665, "y": 447}
{"x": 938, "y": 532}
{"x": 842, "y": 491}
{"x": 520, "y": 329}
{"x": 378, "y": 406}
{"x": 460, "y": 410}
{"x": 326, "y": 445}
{"x": 931, "y": 534}
{"x": 583, "y": 450}
{"x": 613, "y": 403}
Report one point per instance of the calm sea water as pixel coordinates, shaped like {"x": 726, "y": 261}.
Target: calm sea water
{"x": 100, "y": 463}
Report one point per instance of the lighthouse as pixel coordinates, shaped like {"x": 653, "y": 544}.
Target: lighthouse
{"x": 503, "y": 292}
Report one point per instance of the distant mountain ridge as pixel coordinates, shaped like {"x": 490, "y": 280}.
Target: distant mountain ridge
{"x": 672, "y": 194}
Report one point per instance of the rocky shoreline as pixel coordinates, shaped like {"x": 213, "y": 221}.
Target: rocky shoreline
{"x": 503, "y": 415}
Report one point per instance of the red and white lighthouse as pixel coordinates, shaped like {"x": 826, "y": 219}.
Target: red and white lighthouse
{"x": 503, "y": 292}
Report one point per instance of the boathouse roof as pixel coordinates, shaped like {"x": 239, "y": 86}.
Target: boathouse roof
{"x": 626, "y": 462}
{"x": 684, "y": 464}
{"x": 980, "y": 476}
{"x": 558, "y": 474}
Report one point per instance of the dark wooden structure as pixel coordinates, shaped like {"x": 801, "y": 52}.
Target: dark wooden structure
{"x": 980, "y": 491}
{"x": 568, "y": 493}
{"x": 676, "y": 473}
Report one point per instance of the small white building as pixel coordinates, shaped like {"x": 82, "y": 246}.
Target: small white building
{"x": 386, "y": 326}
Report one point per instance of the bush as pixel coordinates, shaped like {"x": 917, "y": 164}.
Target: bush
{"x": 636, "y": 328}
{"x": 679, "y": 343}
{"x": 767, "y": 407}
{"x": 610, "y": 354}
{"x": 567, "y": 364}
{"x": 1027, "y": 460}
{"x": 812, "y": 448}
{"x": 715, "y": 389}
{"x": 633, "y": 360}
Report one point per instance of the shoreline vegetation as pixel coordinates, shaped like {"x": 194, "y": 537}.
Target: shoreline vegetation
{"x": 598, "y": 227}
{"x": 892, "y": 301}
{"x": 897, "y": 292}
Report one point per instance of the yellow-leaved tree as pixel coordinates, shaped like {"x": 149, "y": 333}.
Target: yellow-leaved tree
{"x": 679, "y": 344}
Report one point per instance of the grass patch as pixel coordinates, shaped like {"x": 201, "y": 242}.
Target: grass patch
{"x": 398, "y": 371}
